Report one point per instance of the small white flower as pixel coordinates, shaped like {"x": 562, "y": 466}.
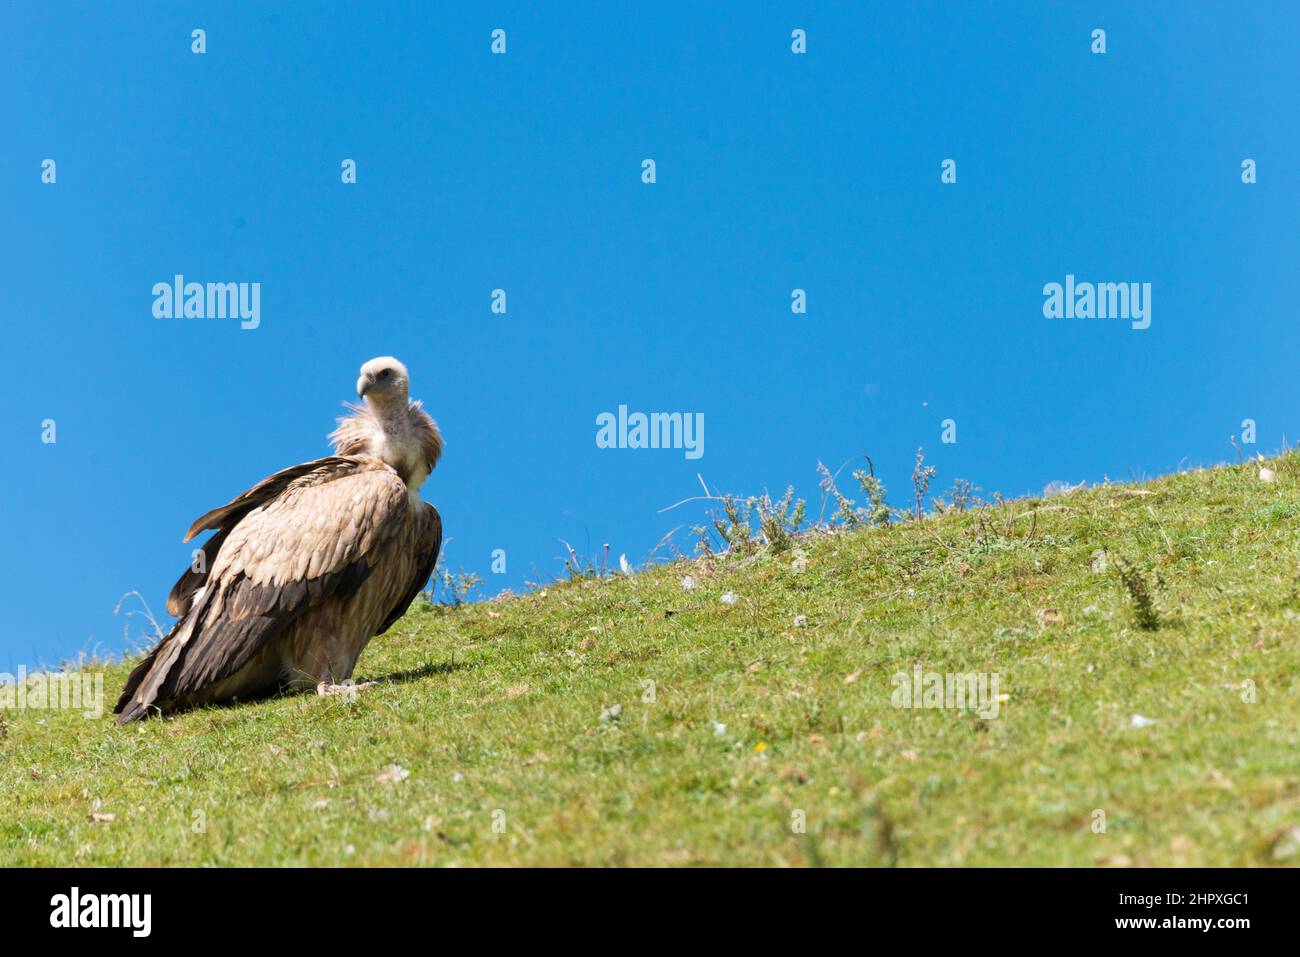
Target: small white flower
{"x": 800, "y": 621}
{"x": 688, "y": 583}
{"x": 719, "y": 728}
{"x": 1267, "y": 475}
{"x": 730, "y": 598}
{"x": 1138, "y": 721}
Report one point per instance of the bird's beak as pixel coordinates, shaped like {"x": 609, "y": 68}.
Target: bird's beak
{"x": 364, "y": 385}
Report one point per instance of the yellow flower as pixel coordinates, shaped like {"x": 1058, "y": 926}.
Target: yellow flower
{"x": 760, "y": 746}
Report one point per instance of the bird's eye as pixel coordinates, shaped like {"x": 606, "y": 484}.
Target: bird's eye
{"x": 386, "y": 374}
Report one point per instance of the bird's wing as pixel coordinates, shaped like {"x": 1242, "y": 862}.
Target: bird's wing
{"x": 428, "y": 540}
{"x": 226, "y": 517}
{"x": 288, "y": 552}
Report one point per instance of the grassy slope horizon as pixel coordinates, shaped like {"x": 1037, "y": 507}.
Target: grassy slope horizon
{"x": 627, "y": 720}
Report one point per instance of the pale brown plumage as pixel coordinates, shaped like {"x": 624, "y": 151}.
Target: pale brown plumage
{"x": 306, "y": 566}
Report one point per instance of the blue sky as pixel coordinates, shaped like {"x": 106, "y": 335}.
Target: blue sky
{"x": 775, "y": 171}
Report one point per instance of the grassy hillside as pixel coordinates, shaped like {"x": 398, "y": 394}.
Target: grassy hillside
{"x": 629, "y": 720}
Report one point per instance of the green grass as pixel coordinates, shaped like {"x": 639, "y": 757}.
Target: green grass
{"x": 495, "y": 710}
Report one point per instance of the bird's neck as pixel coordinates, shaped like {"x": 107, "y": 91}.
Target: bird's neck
{"x": 396, "y": 444}
{"x": 392, "y": 416}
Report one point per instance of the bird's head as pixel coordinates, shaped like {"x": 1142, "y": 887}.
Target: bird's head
{"x": 384, "y": 383}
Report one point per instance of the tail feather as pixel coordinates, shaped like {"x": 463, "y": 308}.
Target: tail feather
{"x": 141, "y": 690}
{"x": 128, "y": 709}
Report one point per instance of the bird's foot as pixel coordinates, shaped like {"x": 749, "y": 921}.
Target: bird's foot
{"x": 348, "y": 689}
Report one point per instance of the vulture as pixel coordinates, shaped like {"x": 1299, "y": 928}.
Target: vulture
{"x": 306, "y": 566}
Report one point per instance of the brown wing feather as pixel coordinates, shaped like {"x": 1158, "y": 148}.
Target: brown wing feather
{"x": 226, "y": 517}
{"x": 284, "y": 555}
{"x": 430, "y": 542}
{"x": 261, "y": 493}
{"x": 182, "y": 593}
{"x": 251, "y": 615}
